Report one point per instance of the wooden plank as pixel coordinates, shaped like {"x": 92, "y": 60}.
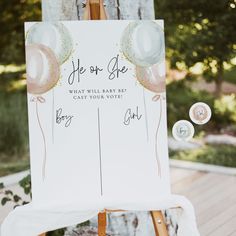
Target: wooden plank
{"x": 229, "y": 228}
{"x": 202, "y": 185}
{"x": 214, "y": 195}
{"x": 177, "y": 175}
{"x": 194, "y": 188}
{"x": 218, "y": 221}
{"x": 207, "y": 191}
{"x": 216, "y": 187}
{"x": 214, "y": 207}
{"x": 187, "y": 181}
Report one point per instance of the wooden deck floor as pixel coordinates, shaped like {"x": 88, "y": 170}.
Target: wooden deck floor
{"x": 213, "y": 196}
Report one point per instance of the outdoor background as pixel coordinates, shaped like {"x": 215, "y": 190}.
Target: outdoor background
{"x": 201, "y": 61}
{"x": 201, "y": 67}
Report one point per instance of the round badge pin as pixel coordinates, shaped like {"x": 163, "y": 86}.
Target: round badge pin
{"x": 183, "y": 130}
{"x": 200, "y": 113}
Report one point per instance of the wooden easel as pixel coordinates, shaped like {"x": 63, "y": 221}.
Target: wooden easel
{"x": 157, "y": 218}
{"x": 95, "y": 11}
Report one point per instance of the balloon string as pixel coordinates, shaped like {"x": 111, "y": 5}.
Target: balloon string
{"x": 156, "y": 139}
{"x": 145, "y": 110}
{"x": 53, "y": 114}
{"x": 44, "y": 141}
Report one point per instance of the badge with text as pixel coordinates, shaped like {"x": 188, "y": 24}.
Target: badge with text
{"x": 97, "y": 112}
{"x": 183, "y": 130}
{"x": 200, "y": 113}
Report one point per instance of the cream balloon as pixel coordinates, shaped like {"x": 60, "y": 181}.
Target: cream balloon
{"x": 150, "y": 79}
{"x": 143, "y": 43}
{"x": 53, "y": 35}
{"x": 42, "y": 69}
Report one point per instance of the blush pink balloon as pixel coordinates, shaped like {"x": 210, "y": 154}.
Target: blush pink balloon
{"x": 43, "y": 70}
{"x": 150, "y": 79}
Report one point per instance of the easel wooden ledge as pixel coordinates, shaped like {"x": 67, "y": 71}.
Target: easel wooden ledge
{"x": 95, "y": 11}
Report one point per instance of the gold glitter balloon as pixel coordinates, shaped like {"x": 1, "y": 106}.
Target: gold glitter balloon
{"x": 143, "y": 43}
{"x": 42, "y": 69}
{"x": 54, "y": 35}
{"x": 150, "y": 79}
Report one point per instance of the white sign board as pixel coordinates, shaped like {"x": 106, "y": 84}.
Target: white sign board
{"x": 97, "y": 113}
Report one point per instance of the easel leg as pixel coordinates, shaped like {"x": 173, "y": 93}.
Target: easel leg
{"x": 102, "y": 223}
{"x": 159, "y": 223}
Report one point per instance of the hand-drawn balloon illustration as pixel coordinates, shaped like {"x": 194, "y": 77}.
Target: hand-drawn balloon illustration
{"x": 150, "y": 79}
{"x": 143, "y": 44}
{"x": 53, "y": 35}
{"x": 43, "y": 70}
{"x": 48, "y": 45}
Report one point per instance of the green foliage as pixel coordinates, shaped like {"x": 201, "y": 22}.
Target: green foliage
{"x": 1, "y": 186}
{"x": 9, "y": 192}
{"x": 226, "y": 106}
{"x": 25, "y": 183}
{"x": 180, "y": 97}
{"x": 200, "y": 31}
{"x": 12, "y": 164}
{"x": 13, "y": 123}
{"x": 9, "y": 195}
{"x": 59, "y": 232}
{"x": 14, "y": 132}
{"x": 223, "y": 155}
{"x": 86, "y": 223}
{"x": 5, "y": 200}
{"x": 7, "y": 79}
{"x": 230, "y": 75}
{"x": 13, "y": 15}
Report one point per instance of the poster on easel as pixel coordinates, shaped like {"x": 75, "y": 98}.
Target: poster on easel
{"x": 97, "y": 113}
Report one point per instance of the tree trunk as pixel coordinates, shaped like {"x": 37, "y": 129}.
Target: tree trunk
{"x": 54, "y": 10}
{"x": 219, "y": 80}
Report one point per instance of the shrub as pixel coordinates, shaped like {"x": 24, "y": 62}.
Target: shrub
{"x": 13, "y": 124}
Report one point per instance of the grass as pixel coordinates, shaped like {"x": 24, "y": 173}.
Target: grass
{"x": 13, "y": 127}
{"x": 230, "y": 75}
{"x": 223, "y": 155}
{"x": 14, "y": 166}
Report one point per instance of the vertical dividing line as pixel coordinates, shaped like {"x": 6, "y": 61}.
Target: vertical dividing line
{"x": 145, "y": 111}
{"x": 53, "y": 114}
{"x": 100, "y": 151}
